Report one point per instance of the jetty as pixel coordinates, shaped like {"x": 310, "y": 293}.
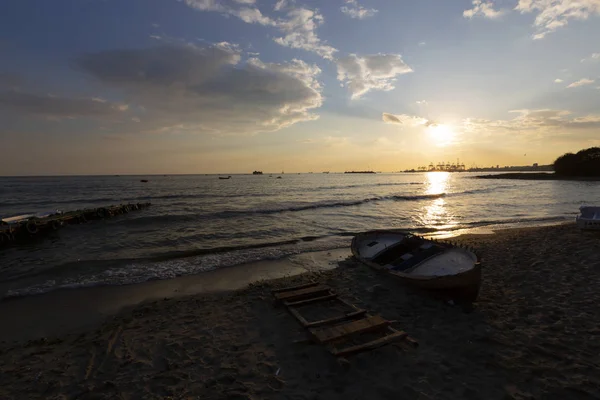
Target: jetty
{"x": 28, "y": 227}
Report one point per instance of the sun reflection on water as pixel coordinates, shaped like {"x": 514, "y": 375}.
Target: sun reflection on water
{"x": 436, "y": 214}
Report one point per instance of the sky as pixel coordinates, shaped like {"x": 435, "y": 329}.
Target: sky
{"x": 232, "y": 86}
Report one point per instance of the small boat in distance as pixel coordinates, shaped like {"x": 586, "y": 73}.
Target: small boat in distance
{"x": 225, "y": 177}
{"x": 144, "y": 180}
{"x": 589, "y": 218}
{"x": 450, "y": 271}
{"x": 257, "y": 173}
{"x": 359, "y": 172}
{"x": 278, "y": 177}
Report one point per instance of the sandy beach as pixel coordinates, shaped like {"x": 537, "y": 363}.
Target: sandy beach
{"x": 533, "y": 334}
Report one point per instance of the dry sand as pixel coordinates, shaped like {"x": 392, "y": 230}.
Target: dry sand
{"x": 534, "y": 333}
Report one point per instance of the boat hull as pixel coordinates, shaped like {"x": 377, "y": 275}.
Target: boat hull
{"x": 461, "y": 287}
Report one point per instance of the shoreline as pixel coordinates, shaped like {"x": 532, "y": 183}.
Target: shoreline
{"x": 65, "y": 311}
{"x": 34, "y": 316}
{"x": 531, "y": 334}
{"x": 538, "y": 176}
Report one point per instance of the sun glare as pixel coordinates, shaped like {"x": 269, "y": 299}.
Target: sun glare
{"x": 441, "y": 134}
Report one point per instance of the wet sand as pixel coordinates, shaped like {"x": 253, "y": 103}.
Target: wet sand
{"x": 532, "y": 334}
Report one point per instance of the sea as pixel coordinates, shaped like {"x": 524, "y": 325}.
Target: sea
{"x": 199, "y": 223}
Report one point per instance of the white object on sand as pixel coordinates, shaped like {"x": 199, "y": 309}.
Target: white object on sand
{"x": 589, "y": 218}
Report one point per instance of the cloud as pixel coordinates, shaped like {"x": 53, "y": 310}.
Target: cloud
{"x": 187, "y": 88}
{"x": 581, "y": 82}
{"x": 328, "y": 141}
{"x": 57, "y": 108}
{"x": 355, "y": 10}
{"x": 251, "y": 15}
{"x": 543, "y": 120}
{"x": 593, "y": 57}
{"x": 10, "y": 80}
{"x": 527, "y": 125}
{"x": 370, "y": 72}
{"x": 300, "y": 32}
{"x": 558, "y": 80}
{"x": 404, "y": 119}
{"x": 484, "y": 9}
{"x": 280, "y": 5}
{"x": 298, "y": 27}
{"x": 554, "y": 14}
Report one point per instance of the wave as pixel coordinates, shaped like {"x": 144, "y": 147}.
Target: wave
{"x": 172, "y": 264}
{"x": 336, "y": 204}
{"x": 175, "y": 264}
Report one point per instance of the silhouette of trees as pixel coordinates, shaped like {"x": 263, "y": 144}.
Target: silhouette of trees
{"x": 585, "y": 163}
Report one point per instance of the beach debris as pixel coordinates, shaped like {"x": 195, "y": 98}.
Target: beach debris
{"x": 345, "y": 333}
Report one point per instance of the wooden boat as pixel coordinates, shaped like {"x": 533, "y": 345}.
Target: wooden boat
{"x": 225, "y": 177}
{"x": 589, "y": 218}
{"x": 450, "y": 271}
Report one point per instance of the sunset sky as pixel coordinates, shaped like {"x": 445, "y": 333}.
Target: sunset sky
{"x": 208, "y": 86}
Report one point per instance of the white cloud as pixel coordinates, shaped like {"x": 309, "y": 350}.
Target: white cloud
{"x": 593, "y": 57}
{"x": 355, "y": 10}
{"x": 300, "y": 32}
{"x": 581, "y": 82}
{"x": 299, "y": 27}
{"x": 370, "y": 72}
{"x": 186, "y": 88}
{"x": 558, "y": 80}
{"x": 554, "y": 14}
{"x": 251, "y": 15}
{"x": 280, "y": 5}
{"x": 404, "y": 119}
{"x": 484, "y": 9}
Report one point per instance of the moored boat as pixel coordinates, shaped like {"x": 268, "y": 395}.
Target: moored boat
{"x": 589, "y": 218}
{"x": 450, "y": 271}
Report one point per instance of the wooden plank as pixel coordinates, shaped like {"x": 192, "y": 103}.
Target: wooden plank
{"x": 382, "y": 341}
{"x": 333, "y": 320}
{"x": 310, "y": 301}
{"x": 302, "y": 293}
{"x": 349, "y": 304}
{"x": 299, "y": 317}
{"x": 290, "y": 288}
{"x": 350, "y": 328}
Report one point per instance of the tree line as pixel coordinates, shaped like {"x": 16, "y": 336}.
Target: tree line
{"x": 583, "y": 163}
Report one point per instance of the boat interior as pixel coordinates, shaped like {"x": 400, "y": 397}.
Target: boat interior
{"x": 399, "y": 253}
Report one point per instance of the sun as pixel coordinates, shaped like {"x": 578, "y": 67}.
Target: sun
{"x": 441, "y": 134}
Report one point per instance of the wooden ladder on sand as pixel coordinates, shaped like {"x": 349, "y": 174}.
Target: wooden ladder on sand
{"x": 337, "y": 331}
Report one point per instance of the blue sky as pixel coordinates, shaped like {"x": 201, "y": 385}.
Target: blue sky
{"x": 203, "y": 86}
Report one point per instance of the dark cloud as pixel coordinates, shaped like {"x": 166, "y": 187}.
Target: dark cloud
{"x": 58, "y": 107}
{"x": 191, "y": 88}
{"x": 10, "y": 80}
